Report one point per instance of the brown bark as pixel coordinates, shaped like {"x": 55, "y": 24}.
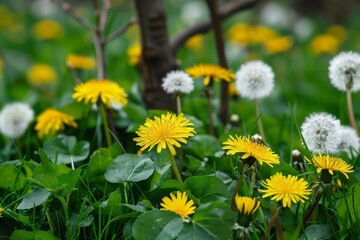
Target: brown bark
{"x": 157, "y": 58}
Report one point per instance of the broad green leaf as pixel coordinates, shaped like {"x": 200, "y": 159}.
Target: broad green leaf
{"x": 112, "y": 206}
{"x": 69, "y": 181}
{"x": 129, "y": 168}
{"x": 202, "y": 186}
{"x": 65, "y": 149}
{"x": 316, "y": 231}
{"x": 161, "y": 160}
{"x": 157, "y": 225}
{"x": 203, "y": 145}
{"x": 210, "y": 221}
{"x": 28, "y": 235}
{"x": 216, "y": 218}
{"x": 11, "y": 177}
{"x": 33, "y": 199}
{"x": 99, "y": 162}
{"x": 46, "y": 174}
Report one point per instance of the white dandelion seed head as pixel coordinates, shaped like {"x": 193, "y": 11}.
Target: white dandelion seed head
{"x": 254, "y": 80}
{"x": 15, "y": 118}
{"x": 178, "y": 82}
{"x": 321, "y": 132}
{"x": 277, "y": 15}
{"x": 349, "y": 141}
{"x": 341, "y": 67}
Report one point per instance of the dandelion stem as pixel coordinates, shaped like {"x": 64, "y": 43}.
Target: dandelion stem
{"x": 105, "y": 124}
{"x": 176, "y": 170}
{"x": 312, "y": 208}
{"x": 178, "y": 103}
{"x": 237, "y": 187}
{"x": 350, "y": 110}
{"x": 260, "y": 125}
{"x": 271, "y": 223}
{"x": 208, "y": 95}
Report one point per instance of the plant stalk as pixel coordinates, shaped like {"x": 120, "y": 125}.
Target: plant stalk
{"x": 272, "y": 221}
{"x": 350, "y": 110}
{"x": 237, "y": 187}
{"x": 105, "y": 124}
{"x": 176, "y": 170}
{"x": 260, "y": 125}
{"x": 178, "y": 103}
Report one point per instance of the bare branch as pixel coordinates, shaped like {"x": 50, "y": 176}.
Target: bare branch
{"x": 121, "y": 30}
{"x": 67, "y": 9}
{"x": 104, "y": 15}
{"x": 226, "y": 11}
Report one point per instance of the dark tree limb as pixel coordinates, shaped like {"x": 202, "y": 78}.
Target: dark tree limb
{"x": 226, "y": 11}
{"x": 220, "y": 48}
{"x": 157, "y": 58}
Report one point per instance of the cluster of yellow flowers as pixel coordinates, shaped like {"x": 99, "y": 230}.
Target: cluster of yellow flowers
{"x": 246, "y": 35}
{"x": 328, "y": 42}
{"x": 47, "y": 29}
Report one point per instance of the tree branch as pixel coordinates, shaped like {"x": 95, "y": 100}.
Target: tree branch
{"x": 226, "y": 11}
{"x": 67, "y": 9}
{"x": 120, "y": 31}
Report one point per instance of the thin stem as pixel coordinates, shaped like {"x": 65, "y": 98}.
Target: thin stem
{"x": 260, "y": 125}
{"x": 176, "y": 170}
{"x": 312, "y": 208}
{"x": 252, "y": 182}
{"x": 350, "y": 110}
{"x": 74, "y": 75}
{"x": 106, "y": 125}
{"x": 208, "y": 95}
{"x": 272, "y": 221}
{"x": 237, "y": 187}
{"x": 278, "y": 226}
{"x": 178, "y": 103}
{"x": 67, "y": 9}
{"x": 120, "y": 31}
{"x": 67, "y": 222}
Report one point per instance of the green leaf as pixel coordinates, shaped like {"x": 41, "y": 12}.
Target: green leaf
{"x": 64, "y": 149}
{"x": 36, "y": 235}
{"x": 202, "y": 186}
{"x": 33, "y": 199}
{"x": 203, "y": 145}
{"x": 46, "y": 174}
{"x": 100, "y": 160}
{"x": 210, "y": 221}
{"x": 11, "y": 177}
{"x": 129, "y": 168}
{"x": 74, "y": 109}
{"x": 316, "y": 231}
{"x": 69, "y": 181}
{"x": 112, "y": 206}
{"x": 216, "y": 218}
{"x": 157, "y": 224}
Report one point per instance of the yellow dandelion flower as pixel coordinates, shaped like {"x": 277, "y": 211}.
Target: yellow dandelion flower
{"x": 278, "y": 44}
{"x": 195, "y": 42}
{"x": 41, "y": 74}
{"x": 286, "y": 189}
{"x": 338, "y": 32}
{"x": 330, "y": 164}
{"x": 250, "y": 149}
{"x": 324, "y": 43}
{"x": 47, "y": 29}
{"x": 260, "y": 34}
{"x": 100, "y": 90}
{"x": 134, "y": 54}
{"x": 52, "y": 121}
{"x": 165, "y": 131}
{"x": 246, "y": 205}
{"x": 179, "y": 204}
{"x": 80, "y": 62}
{"x": 209, "y": 71}
{"x": 240, "y": 33}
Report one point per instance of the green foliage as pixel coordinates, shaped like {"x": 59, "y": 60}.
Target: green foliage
{"x": 129, "y": 168}
{"x": 28, "y": 235}
{"x": 65, "y": 149}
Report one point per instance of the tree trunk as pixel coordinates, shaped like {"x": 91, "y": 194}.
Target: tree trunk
{"x": 157, "y": 58}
